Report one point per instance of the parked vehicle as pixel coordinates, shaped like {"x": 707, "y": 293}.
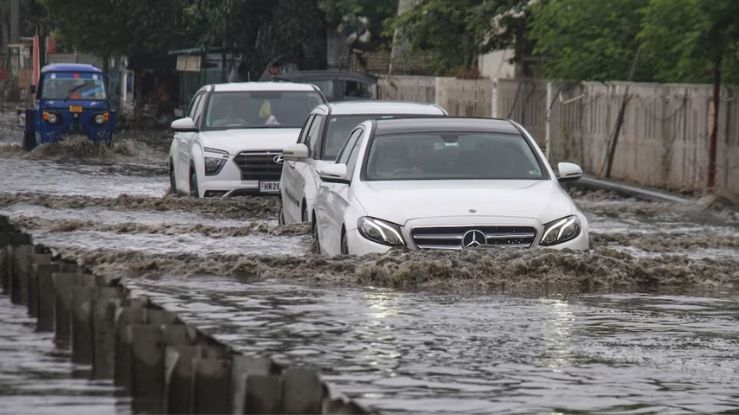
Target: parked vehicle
{"x": 70, "y": 99}
{"x": 231, "y": 142}
{"x": 320, "y": 141}
{"x": 336, "y": 85}
{"x": 444, "y": 183}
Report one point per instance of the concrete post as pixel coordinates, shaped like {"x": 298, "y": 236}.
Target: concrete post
{"x": 82, "y": 332}
{"x": 263, "y": 394}
{"x": 35, "y": 261}
{"x": 147, "y": 352}
{"x": 103, "y": 327}
{"x": 178, "y": 390}
{"x": 46, "y": 296}
{"x": 125, "y": 316}
{"x": 64, "y": 285}
{"x": 302, "y": 391}
{"x": 12, "y": 239}
{"x": 241, "y": 368}
{"x": 212, "y": 386}
{"x": 19, "y": 273}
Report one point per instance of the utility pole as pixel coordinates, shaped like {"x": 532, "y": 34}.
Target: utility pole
{"x": 713, "y": 139}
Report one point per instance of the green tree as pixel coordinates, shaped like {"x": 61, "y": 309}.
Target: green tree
{"x": 358, "y": 14}
{"x": 689, "y": 40}
{"x": 458, "y": 31}
{"x": 120, "y": 27}
{"x": 587, "y": 39}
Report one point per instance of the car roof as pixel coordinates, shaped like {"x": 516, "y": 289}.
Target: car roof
{"x": 441, "y": 124}
{"x": 379, "y": 107}
{"x": 70, "y": 67}
{"x": 326, "y": 75}
{"x": 260, "y": 86}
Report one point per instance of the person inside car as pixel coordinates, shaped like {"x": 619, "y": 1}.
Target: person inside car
{"x": 265, "y": 113}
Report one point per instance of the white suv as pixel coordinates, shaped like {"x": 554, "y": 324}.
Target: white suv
{"x": 231, "y": 141}
{"x": 320, "y": 141}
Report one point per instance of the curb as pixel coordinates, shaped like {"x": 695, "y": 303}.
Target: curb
{"x": 163, "y": 364}
{"x": 641, "y": 192}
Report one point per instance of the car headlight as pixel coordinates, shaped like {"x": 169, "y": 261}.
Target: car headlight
{"x": 101, "y": 118}
{"x": 214, "y": 160}
{"x": 560, "y": 230}
{"x": 50, "y": 117}
{"x": 379, "y": 231}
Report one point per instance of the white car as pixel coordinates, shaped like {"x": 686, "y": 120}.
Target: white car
{"x": 231, "y": 142}
{"x": 445, "y": 183}
{"x": 321, "y": 139}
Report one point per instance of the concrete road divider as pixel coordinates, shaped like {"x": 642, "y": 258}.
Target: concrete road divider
{"x": 164, "y": 364}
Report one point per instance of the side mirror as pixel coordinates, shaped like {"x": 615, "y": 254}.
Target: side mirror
{"x": 568, "y": 172}
{"x": 334, "y": 173}
{"x": 295, "y": 152}
{"x": 184, "y": 125}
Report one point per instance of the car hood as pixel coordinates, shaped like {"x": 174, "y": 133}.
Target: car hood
{"x": 254, "y": 139}
{"x": 401, "y": 201}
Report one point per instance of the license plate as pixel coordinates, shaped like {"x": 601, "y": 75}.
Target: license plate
{"x": 269, "y": 187}
{"x": 75, "y": 108}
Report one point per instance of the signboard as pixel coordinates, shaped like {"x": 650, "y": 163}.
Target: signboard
{"x": 188, "y": 63}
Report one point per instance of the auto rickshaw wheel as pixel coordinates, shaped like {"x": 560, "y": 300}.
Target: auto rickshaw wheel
{"x": 29, "y": 141}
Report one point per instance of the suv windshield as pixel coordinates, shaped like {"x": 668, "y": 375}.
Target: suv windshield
{"x": 73, "y": 85}
{"x": 339, "y": 127}
{"x": 451, "y": 156}
{"x": 262, "y": 109}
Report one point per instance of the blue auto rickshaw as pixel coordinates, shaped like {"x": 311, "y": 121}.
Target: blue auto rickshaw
{"x": 70, "y": 99}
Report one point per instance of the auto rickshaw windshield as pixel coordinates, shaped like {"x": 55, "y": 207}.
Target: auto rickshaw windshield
{"x": 73, "y": 85}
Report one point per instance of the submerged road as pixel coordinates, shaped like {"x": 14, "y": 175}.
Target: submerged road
{"x": 647, "y": 322}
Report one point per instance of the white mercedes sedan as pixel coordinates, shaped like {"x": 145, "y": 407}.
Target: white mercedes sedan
{"x": 231, "y": 142}
{"x": 444, "y": 183}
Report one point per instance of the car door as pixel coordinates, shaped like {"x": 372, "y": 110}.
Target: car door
{"x": 184, "y": 142}
{"x": 290, "y": 185}
{"x": 337, "y": 195}
{"x": 305, "y": 180}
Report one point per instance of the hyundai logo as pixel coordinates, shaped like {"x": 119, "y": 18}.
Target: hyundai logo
{"x": 277, "y": 159}
{"x": 473, "y": 239}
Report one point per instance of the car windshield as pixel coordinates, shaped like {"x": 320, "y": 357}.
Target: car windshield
{"x": 339, "y": 127}
{"x": 73, "y": 85}
{"x": 451, "y": 156}
{"x": 262, "y": 109}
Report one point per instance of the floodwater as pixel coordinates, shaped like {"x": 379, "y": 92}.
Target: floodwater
{"x": 37, "y": 378}
{"x": 403, "y": 352}
{"x": 404, "y": 332}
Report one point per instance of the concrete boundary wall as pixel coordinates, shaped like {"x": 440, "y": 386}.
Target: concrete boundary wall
{"x": 163, "y": 364}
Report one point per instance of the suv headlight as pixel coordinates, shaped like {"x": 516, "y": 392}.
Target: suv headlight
{"x": 379, "y": 231}
{"x": 214, "y": 160}
{"x": 560, "y": 230}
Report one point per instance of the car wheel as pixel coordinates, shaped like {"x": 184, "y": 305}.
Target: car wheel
{"x": 194, "y": 184}
{"x": 316, "y": 245}
{"x": 29, "y": 141}
{"x": 344, "y": 244}
{"x": 303, "y": 213}
{"x": 172, "y": 182}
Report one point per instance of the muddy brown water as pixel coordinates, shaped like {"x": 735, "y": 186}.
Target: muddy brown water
{"x": 645, "y": 322}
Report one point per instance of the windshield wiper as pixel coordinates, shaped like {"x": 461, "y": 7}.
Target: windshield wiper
{"x": 73, "y": 90}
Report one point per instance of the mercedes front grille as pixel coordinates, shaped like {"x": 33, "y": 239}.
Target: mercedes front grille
{"x": 460, "y": 237}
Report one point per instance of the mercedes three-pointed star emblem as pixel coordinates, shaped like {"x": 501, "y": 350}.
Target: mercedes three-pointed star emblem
{"x": 473, "y": 239}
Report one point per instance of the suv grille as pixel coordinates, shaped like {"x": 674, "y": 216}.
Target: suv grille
{"x": 459, "y": 237}
{"x": 259, "y": 165}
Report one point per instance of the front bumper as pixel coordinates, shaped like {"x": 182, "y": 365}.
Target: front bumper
{"x": 228, "y": 182}
{"x": 359, "y": 245}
